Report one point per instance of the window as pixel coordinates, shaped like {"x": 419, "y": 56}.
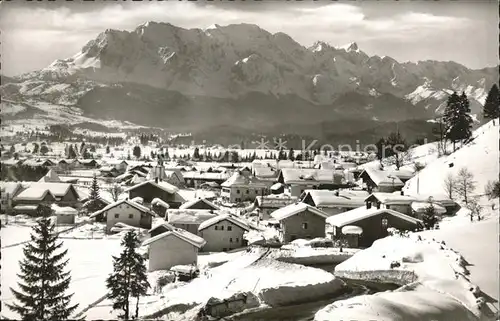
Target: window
{"x": 230, "y": 240}
{"x": 216, "y": 227}
{"x": 237, "y": 240}
{"x": 229, "y": 228}
{"x": 304, "y": 225}
{"x": 237, "y": 191}
{"x": 248, "y": 192}
{"x": 131, "y": 216}
{"x": 117, "y": 215}
{"x": 222, "y": 228}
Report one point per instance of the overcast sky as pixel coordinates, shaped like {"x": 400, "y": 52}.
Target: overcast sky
{"x": 34, "y": 34}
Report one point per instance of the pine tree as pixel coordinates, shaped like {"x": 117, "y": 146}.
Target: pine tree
{"x": 71, "y": 152}
{"x": 291, "y": 155}
{"x": 429, "y": 218}
{"x": 108, "y": 150}
{"x": 450, "y": 118}
{"x": 129, "y": 277}
{"x": 491, "y": 108}
{"x": 44, "y": 282}
{"x": 196, "y": 154}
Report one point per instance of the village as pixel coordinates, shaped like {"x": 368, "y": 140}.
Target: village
{"x": 206, "y": 223}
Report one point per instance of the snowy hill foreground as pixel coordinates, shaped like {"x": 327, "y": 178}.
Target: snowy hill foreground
{"x": 217, "y": 73}
{"x": 480, "y": 156}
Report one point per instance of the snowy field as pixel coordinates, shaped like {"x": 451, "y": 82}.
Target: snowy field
{"x": 90, "y": 263}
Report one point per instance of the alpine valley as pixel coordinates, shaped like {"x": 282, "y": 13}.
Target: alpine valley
{"x": 236, "y": 79}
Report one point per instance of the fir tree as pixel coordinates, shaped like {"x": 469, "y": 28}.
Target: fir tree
{"x": 450, "y": 118}
{"x": 464, "y": 118}
{"x": 36, "y": 148}
{"x": 44, "y": 282}
{"x": 129, "y": 277}
{"x": 196, "y": 154}
{"x": 108, "y": 150}
{"x": 71, "y": 152}
{"x": 429, "y": 218}
{"x": 94, "y": 204}
{"x": 291, "y": 155}
{"x": 491, "y": 108}
{"x": 137, "y": 152}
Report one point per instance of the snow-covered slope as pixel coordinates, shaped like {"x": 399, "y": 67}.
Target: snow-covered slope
{"x": 235, "y": 60}
{"x": 481, "y": 157}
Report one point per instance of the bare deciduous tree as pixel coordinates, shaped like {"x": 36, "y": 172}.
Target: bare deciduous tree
{"x": 116, "y": 190}
{"x": 475, "y": 208}
{"x": 465, "y": 184}
{"x": 492, "y": 189}
{"x": 449, "y": 185}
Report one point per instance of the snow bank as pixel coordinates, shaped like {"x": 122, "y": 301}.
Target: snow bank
{"x": 440, "y": 290}
{"x": 312, "y": 256}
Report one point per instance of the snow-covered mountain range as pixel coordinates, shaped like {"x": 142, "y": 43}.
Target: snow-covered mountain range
{"x": 240, "y": 70}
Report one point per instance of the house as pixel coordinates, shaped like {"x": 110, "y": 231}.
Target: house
{"x": 148, "y": 190}
{"x": 388, "y": 181}
{"x": 188, "y": 219}
{"x": 109, "y": 171}
{"x": 270, "y": 203}
{"x": 172, "y": 247}
{"x": 199, "y": 204}
{"x": 65, "y": 194}
{"x": 64, "y": 215}
{"x": 50, "y": 177}
{"x": 120, "y": 165}
{"x": 160, "y": 207}
{"x": 34, "y": 196}
{"x": 450, "y": 205}
{"x": 240, "y": 188}
{"x": 88, "y": 163}
{"x": 196, "y": 179}
{"x": 223, "y": 233}
{"x": 126, "y": 212}
{"x": 334, "y": 202}
{"x": 396, "y": 202}
{"x": 66, "y": 164}
{"x": 419, "y": 208}
{"x": 300, "y": 221}
{"x": 38, "y": 162}
{"x": 373, "y": 222}
{"x": 265, "y": 173}
{"x": 297, "y": 180}
{"x": 8, "y": 190}
{"x": 158, "y": 172}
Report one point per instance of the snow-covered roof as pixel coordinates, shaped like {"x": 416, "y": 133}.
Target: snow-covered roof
{"x": 294, "y": 209}
{"x": 275, "y": 201}
{"x": 391, "y": 198}
{"x": 265, "y": 172}
{"x": 422, "y": 206}
{"x": 33, "y": 194}
{"x": 57, "y": 189}
{"x": 440, "y": 199}
{"x": 383, "y": 177}
{"x": 276, "y": 186}
{"x": 183, "y": 216}
{"x": 9, "y": 187}
{"x": 64, "y": 210}
{"x": 160, "y": 202}
{"x": 179, "y": 233}
{"x": 11, "y": 161}
{"x": 51, "y": 176}
{"x": 361, "y": 213}
{"x": 350, "y": 229}
{"x": 140, "y": 207}
{"x": 206, "y": 176}
{"x": 224, "y": 217}
{"x": 26, "y": 207}
{"x": 169, "y": 188}
{"x": 239, "y": 179}
{"x": 191, "y": 203}
{"x": 310, "y": 175}
{"x": 328, "y": 198}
